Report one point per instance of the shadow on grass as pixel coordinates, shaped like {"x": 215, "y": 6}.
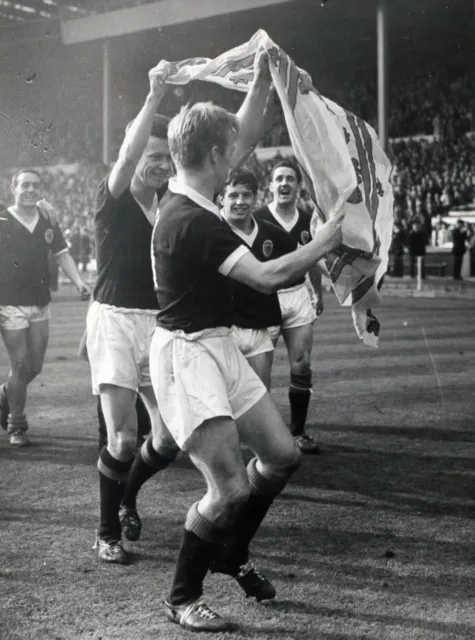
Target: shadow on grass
{"x": 409, "y": 623}
{"x": 432, "y": 434}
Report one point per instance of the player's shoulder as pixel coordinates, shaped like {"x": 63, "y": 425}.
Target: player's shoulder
{"x": 4, "y": 213}
{"x": 304, "y": 216}
{"x": 270, "y": 227}
{"x": 262, "y": 213}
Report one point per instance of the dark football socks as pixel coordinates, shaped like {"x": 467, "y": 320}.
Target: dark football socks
{"x": 199, "y": 544}
{"x": 112, "y": 476}
{"x": 299, "y": 398}
{"x": 146, "y": 464}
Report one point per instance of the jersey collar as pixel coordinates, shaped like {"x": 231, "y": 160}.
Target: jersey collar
{"x": 288, "y": 226}
{"x": 179, "y": 187}
{"x": 248, "y": 239}
{"x": 31, "y": 226}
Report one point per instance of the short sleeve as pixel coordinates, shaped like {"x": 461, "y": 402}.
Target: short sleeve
{"x": 106, "y": 204}
{"x": 215, "y": 244}
{"x": 58, "y": 244}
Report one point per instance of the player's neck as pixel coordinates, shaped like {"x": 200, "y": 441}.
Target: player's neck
{"x": 145, "y": 195}
{"x": 245, "y": 226}
{"x": 28, "y": 214}
{"x": 285, "y": 211}
{"x": 199, "y": 182}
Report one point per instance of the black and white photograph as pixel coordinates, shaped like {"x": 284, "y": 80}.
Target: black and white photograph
{"x": 237, "y": 318}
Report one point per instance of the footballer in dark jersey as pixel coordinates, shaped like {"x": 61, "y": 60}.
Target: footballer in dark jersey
{"x": 27, "y": 237}
{"x": 121, "y": 321}
{"x": 298, "y": 309}
{"x": 209, "y": 396}
{"x": 254, "y": 312}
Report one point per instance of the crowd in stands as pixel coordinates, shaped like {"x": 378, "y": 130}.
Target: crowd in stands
{"x": 434, "y": 161}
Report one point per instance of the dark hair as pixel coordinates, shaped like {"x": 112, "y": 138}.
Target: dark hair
{"x": 289, "y": 164}
{"x": 159, "y": 126}
{"x": 19, "y": 172}
{"x": 242, "y": 176}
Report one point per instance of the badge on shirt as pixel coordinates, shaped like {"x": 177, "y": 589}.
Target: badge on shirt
{"x": 305, "y": 237}
{"x": 267, "y": 247}
{"x": 49, "y": 236}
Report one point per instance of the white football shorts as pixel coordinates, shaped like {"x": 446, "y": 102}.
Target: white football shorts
{"x": 200, "y": 376}
{"x": 118, "y": 346}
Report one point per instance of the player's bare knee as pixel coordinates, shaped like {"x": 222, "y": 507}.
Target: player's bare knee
{"x": 300, "y": 364}
{"x": 123, "y": 443}
{"x": 284, "y": 465}
{"x": 34, "y": 369}
{"x": 21, "y": 370}
{"x": 293, "y": 461}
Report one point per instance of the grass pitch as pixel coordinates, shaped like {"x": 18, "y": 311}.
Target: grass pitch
{"x": 374, "y": 539}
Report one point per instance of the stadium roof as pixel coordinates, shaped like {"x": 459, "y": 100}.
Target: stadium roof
{"x": 23, "y": 11}
{"x": 29, "y": 11}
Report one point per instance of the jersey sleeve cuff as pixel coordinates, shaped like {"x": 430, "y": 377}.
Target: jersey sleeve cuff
{"x": 232, "y": 259}
{"x": 58, "y": 253}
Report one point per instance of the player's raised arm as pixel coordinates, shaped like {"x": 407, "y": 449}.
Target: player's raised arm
{"x": 251, "y": 115}
{"x": 275, "y": 274}
{"x": 138, "y": 133}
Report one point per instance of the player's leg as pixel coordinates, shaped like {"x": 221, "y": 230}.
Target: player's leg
{"x": 262, "y": 364}
{"x": 144, "y": 424}
{"x": 114, "y": 463}
{"x": 262, "y": 430}
{"x": 157, "y": 451}
{"x": 299, "y": 342}
{"x": 256, "y": 345}
{"x": 274, "y": 333}
{"x": 38, "y": 336}
{"x": 214, "y": 448}
{"x": 111, "y": 347}
{"x": 101, "y": 424}
{"x": 14, "y": 390}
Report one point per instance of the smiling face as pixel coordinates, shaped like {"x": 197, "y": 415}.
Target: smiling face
{"x": 155, "y": 165}
{"x": 238, "y": 203}
{"x": 284, "y": 186}
{"x": 26, "y": 189}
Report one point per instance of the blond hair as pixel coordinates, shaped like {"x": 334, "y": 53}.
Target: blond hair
{"x": 196, "y": 129}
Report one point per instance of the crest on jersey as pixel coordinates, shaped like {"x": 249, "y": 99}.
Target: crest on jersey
{"x": 305, "y": 237}
{"x": 267, "y": 247}
{"x": 49, "y": 236}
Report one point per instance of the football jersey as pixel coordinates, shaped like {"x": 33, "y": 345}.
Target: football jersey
{"x": 123, "y": 238}
{"x": 24, "y": 271}
{"x": 254, "y": 309}
{"x": 190, "y": 245}
{"x": 298, "y": 229}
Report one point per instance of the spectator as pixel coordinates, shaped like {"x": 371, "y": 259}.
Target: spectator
{"x": 440, "y": 232}
{"x": 459, "y": 247}
{"x": 396, "y": 251}
{"x": 84, "y": 248}
{"x": 417, "y": 248}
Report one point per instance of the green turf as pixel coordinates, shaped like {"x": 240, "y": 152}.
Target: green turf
{"x": 371, "y": 540}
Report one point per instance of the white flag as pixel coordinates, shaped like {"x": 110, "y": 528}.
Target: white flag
{"x": 341, "y": 159}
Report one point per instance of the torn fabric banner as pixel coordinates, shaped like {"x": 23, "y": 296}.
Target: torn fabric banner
{"x": 343, "y": 164}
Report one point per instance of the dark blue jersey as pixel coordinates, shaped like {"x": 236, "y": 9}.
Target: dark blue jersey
{"x": 299, "y": 230}
{"x": 190, "y": 245}
{"x": 123, "y": 240}
{"x": 24, "y": 272}
{"x": 253, "y": 309}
